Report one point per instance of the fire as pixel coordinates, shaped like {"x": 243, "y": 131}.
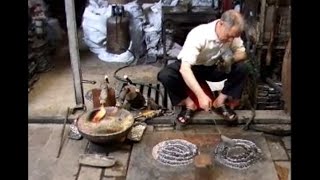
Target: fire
{"x": 99, "y": 115}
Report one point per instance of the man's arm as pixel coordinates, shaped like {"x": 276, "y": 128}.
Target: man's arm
{"x": 190, "y": 80}
{"x": 195, "y": 41}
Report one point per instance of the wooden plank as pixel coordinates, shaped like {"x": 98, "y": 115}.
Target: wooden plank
{"x": 283, "y": 169}
{"x": 286, "y": 78}
{"x": 121, "y": 155}
{"x": 89, "y": 173}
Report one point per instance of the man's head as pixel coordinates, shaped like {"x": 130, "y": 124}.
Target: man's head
{"x": 230, "y": 26}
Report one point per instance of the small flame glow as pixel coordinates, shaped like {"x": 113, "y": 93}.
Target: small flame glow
{"x": 99, "y": 115}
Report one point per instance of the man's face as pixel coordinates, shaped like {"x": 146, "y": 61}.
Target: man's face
{"x": 228, "y": 33}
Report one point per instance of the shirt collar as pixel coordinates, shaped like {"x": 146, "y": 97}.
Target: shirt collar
{"x": 212, "y": 35}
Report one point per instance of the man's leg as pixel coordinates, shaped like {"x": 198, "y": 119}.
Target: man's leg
{"x": 235, "y": 81}
{"x": 172, "y": 80}
{"x": 233, "y": 86}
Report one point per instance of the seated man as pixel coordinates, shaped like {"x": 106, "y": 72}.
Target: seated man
{"x": 206, "y": 49}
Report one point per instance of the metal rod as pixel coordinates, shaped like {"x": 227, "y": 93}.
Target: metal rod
{"x": 62, "y": 132}
{"x": 74, "y": 51}
{"x": 89, "y": 81}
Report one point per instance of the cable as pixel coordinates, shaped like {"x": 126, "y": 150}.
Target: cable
{"x": 136, "y": 83}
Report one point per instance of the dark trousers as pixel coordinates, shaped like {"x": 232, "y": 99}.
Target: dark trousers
{"x": 172, "y": 80}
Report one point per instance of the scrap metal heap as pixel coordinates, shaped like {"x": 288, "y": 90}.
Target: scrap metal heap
{"x": 39, "y": 48}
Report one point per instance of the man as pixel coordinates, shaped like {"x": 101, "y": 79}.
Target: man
{"x": 199, "y": 61}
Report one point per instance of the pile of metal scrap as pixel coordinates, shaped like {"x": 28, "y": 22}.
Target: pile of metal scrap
{"x": 39, "y": 48}
{"x": 269, "y": 98}
{"x": 32, "y": 65}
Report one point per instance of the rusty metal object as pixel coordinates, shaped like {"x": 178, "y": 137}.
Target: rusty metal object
{"x": 114, "y": 126}
{"x": 107, "y": 95}
{"x": 148, "y": 114}
{"x": 118, "y": 33}
{"x": 111, "y": 101}
{"x": 95, "y": 97}
{"x": 131, "y": 98}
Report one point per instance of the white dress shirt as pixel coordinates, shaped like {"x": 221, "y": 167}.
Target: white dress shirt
{"x": 202, "y": 46}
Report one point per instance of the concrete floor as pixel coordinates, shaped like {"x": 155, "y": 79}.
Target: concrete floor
{"x": 44, "y": 140}
{"x": 53, "y": 93}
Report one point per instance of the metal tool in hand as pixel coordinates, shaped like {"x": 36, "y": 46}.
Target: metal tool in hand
{"x": 224, "y": 60}
{"x": 224, "y": 138}
{"x": 227, "y": 60}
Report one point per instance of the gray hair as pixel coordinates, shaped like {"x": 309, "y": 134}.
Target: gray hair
{"x": 233, "y": 18}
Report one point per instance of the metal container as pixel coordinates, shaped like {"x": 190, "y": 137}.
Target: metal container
{"x": 114, "y": 126}
{"x": 118, "y": 33}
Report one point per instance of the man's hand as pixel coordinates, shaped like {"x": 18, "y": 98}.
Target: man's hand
{"x": 224, "y": 64}
{"x": 205, "y": 102}
{"x": 188, "y": 76}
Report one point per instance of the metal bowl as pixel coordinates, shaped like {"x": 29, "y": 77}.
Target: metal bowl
{"x": 114, "y": 126}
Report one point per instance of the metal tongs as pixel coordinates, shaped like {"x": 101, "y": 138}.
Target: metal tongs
{"x": 225, "y": 139}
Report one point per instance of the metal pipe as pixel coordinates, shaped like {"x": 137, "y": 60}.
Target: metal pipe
{"x": 74, "y": 51}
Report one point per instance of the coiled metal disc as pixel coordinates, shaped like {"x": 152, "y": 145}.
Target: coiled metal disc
{"x": 176, "y": 152}
{"x": 240, "y": 156}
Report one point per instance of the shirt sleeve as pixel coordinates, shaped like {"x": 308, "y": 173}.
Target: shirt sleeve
{"x": 237, "y": 45}
{"x": 192, "y": 46}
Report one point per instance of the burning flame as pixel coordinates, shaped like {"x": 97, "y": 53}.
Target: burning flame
{"x": 99, "y": 115}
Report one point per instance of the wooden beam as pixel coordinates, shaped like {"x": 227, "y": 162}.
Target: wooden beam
{"x": 262, "y": 20}
{"x": 286, "y": 78}
{"x": 74, "y": 51}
